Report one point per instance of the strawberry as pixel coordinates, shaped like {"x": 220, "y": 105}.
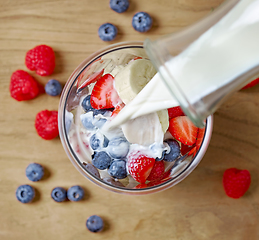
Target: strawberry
{"x": 88, "y": 79}
{"x": 140, "y": 166}
{"x": 200, "y": 135}
{"x": 157, "y": 171}
{"x": 175, "y": 112}
{"x": 186, "y": 149}
{"x": 183, "y": 130}
{"x": 140, "y": 186}
{"x": 117, "y": 109}
{"x": 104, "y": 94}
{"x": 251, "y": 84}
{"x": 236, "y": 182}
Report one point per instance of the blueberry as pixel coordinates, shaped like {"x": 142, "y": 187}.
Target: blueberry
{"x": 107, "y": 32}
{"x": 101, "y": 160}
{"x": 142, "y": 22}
{"x": 25, "y": 193}
{"x": 86, "y": 104}
{"x": 87, "y": 120}
{"x": 98, "y": 140}
{"x": 174, "y": 150}
{"x": 59, "y": 194}
{"x": 34, "y": 172}
{"x": 75, "y": 193}
{"x": 118, "y": 147}
{"x": 53, "y": 87}
{"x": 118, "y": 169}
{"x": 100, "y": 122}
{"x": 94, "y": 223}
{"x": 92, "y": 169}
{"x": 119, "y": 6}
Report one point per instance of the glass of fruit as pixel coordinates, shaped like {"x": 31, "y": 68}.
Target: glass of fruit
{"x": 145, "y": 155}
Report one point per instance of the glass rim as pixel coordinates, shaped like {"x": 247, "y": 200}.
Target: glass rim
{"x": 79, "y": 165}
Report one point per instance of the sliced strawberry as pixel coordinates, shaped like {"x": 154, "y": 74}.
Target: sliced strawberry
{"x": 104, "y": 94}
{"x": 136, "y": 58}
{"x": 186, "y": 149}
{"x": 140, "y": 166}
{"x": 251, "y": 84}
{"x": 175, "y": 112}
{"x": 117, "y": 109}
{"x": 81, "y": 83}
{"x": 200, "y": 136}
{"x": 140, "y": 186}
{"x": 183, "y": 130}
{"x": 157, "y": 171}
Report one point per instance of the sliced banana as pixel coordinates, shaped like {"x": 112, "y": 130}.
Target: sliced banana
{"x": 163, "y": 119}
{"x": 144, "y": 130}
{"x": 131, "y": 79}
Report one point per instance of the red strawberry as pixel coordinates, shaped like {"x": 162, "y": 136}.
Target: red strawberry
{"x": 23, "y": 86}
{"x": 183, "y": 130}
{"x": 46, "y": 124}
{"x": 186, "y": 149}
{"x": 141, "y": 185}
{"x": 104, "y": 94}
{"x": 200, "y": 135}
{"x": 251, "y": 84}
{"x": 83, "y": 81}
{"x": 140, "y": 166}
{"x": 41, "y": 59}
{"x": 236, "y": 182}
{"x": 117, "y": 109}
{"x": 157, "y": 171}
{"x": 175, "y": 112}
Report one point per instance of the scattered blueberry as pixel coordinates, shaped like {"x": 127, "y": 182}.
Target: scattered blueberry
{"x": 107, "y": 32}
{"x": 86, "y": 105}
{"x": 119, "y": 6}
{"x": 34, "y": 172}
{"x": 75, "y": 193}
{"x": 99, "y": 123}
{"x": 98, "y": 140}
{"x": 101, "y": 160}
{"x": 118, "y": 147}
{"x": 142, "y": 22}
{"x": 53, "y": 87}
{"x": 94, "y": 223}
{"x": 111, "y": 181}
{"x": 25, "y": 193}
{"x": 59, "y": 194}
{"x": 92, "y": 169}
{"x": 118, "y": 169}
{"x": 87, "y": 120}
{"x": 174, "y": 150}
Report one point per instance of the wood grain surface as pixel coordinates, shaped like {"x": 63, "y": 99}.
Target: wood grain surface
{"x": 197, "y": 208}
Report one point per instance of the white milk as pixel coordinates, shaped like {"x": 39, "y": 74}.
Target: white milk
{"x": 227, "y": 50}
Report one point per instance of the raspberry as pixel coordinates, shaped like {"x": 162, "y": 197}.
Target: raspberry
{"x": 46, "y": 124}
{"x": 236, "y": 182}
{"x": 41, "y": 59}
{"x": 23, "y": 86}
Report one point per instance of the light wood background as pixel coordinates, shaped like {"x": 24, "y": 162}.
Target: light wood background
{"x": 197, "y": 208}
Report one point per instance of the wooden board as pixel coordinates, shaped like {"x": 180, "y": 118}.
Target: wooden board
{"x": 197, "y": 208}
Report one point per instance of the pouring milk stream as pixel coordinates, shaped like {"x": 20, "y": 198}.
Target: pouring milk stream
{"x": 209, "y": 65}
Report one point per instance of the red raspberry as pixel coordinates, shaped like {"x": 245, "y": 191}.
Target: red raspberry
{"x": 157, "y": 171}
{"x": 236, "y": 182}
{"x": 46, "y": 124}
{"x": 41, "y": 59}
{"x": 23, "y": 86}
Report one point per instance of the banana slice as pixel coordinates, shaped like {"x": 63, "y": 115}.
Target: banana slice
{"x": 163, "y": 119}
{"x": 144, "y": 130}
{"x": 130, "y": 80}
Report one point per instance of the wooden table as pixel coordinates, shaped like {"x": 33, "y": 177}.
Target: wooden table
{"x": 197, "y": 208}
